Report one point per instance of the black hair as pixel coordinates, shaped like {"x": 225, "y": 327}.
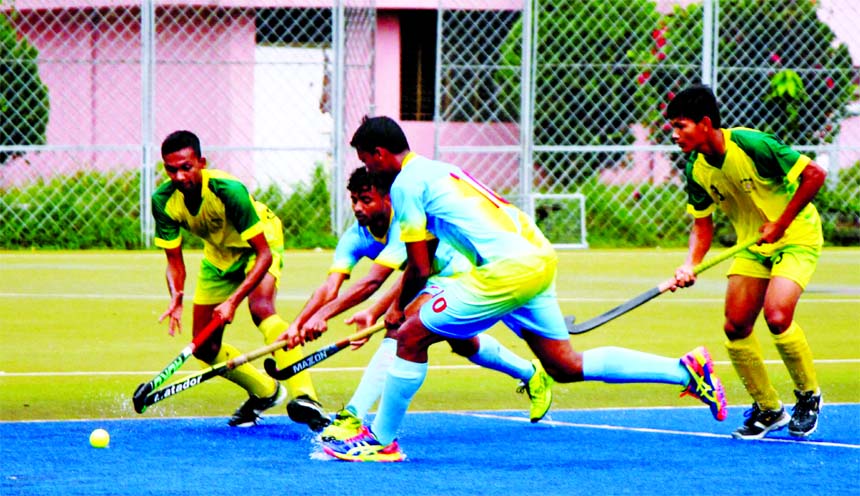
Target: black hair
{"x": 179, "y": 140}
{"x": 361, "y": 180}
{"x": 696, "y": 103}
{"x": 380, "y": 132}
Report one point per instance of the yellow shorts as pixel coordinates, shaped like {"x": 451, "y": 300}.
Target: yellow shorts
{"x": 793, "y": 262}
{"x": 214, "y": 285}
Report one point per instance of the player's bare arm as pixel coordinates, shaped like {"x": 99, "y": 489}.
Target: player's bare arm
{"x": 317, "y": 324}
{"x": 701, "y": 237}
{"x": 263, "y": 261}
{"x": 811, "y": 180}
{"x": 175, "y": 283}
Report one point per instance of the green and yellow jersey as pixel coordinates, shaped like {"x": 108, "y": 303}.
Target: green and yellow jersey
{"x": 226, "y": 219}
{"x": 755, "y": 181}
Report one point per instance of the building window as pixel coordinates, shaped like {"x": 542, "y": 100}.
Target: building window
{"x": 417, "y": 64}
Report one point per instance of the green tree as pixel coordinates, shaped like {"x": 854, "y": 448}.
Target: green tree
{"x": 24, "y": 103}
{"x": 584, "y": 81}
{"x": 779, "y": 68}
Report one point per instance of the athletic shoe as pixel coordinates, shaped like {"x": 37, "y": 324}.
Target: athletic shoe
{"x": 249, "y": 413}
{"x": 345, "y": 426}
{"x": 364, "y": 447}
{"x": 759, "y": 422}
{"x": 804, "y": 415}
{"x": 704, "y": 384}
{"x": 304, "y": 410}
{"x": 539, "y": 389}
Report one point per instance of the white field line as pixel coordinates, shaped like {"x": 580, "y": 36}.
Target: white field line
{"x": 303, "y": 297}
{"x": 327, "y": 369}
{"x": 653, "y": 431}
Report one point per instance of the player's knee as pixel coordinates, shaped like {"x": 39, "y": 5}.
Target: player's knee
{"x": 465, "y": 348}
{"x": 778, "y": 320}
{"x": 207, "y": 352}
{"x": 735, "y": 331}
{"x": 260, "y": 310}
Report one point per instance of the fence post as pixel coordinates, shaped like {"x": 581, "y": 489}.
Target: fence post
{"x": 147, "y": 168}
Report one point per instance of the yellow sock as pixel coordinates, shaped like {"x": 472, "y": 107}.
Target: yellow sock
{"x": 746, "y": 356}
{"x": 797, "y": 357}
{"x": 299, "y": 384}
{"x": 245, "y": 375}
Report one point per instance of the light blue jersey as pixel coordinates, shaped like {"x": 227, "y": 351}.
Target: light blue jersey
{"x": 434, "y": 199}
{"x": 514, "y": 266}
{"x": 390, "y": 251}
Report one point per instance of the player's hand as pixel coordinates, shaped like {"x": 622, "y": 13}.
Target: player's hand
{"x": 362, "y": 320}
{"x": 684, "y": 277}
{"x": 292, "y": 337}
{"x": 225, "y": 311}
{"x": 771, "y": 232}
{"x": 174, "y": 312}
{"x": 393, "y": 318}
{"x": 313, "y": 328}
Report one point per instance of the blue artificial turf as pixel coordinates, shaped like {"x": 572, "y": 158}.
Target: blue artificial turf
{"x": 639, "y": 451}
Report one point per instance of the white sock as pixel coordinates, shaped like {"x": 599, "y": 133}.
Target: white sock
{"x": 403, "y": 381}
{"x": 622, "y": 365}
{"x": 373, "y": 379}
{"x": 494, "y": 356}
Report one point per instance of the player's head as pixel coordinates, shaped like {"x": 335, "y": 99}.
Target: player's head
{"x": 377, "y": 140}
{"x": 177, "y": 140}
{"x": 183, "y": 162}
{"x": 370, "y": 202}
{"x": 694, "y": 114}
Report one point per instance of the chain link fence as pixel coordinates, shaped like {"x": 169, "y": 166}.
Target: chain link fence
{"x": 557, "y": 104}
{"x": 577, "y": 91}
{"x": 263, "y": 87}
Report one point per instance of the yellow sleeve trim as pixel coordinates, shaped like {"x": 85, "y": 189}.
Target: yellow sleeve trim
{"x": 252, "y": 231}
{"x": 166, "y": 245}
{"x": 698, "y": 214}
{"x": 797, "y": 168}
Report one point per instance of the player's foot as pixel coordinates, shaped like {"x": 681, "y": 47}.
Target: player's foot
{"x": 364, "y": 447}
{"x": 704, "y": 384}
{"x": 759, "y": 422}
{"x": 304, "y": 410}
{"x": 804, "y": 415}
{"x": 344, "y": 426}
{"x": 249, "y": 413}
{"x": 539, "y": 389}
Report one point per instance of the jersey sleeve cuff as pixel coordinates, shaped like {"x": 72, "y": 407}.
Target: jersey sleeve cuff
{"x": 168, "y": 244}
{"x": 797, "y": 168}
{"x": 698, "y": 214}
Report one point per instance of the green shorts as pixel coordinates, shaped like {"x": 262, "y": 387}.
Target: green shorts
{"x": 214, "y": 285}
{"x": 793, "y": 262}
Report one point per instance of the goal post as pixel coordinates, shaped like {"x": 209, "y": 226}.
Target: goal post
{"x": 561, "y": 217}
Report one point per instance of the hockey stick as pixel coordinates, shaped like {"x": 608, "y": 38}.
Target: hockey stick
{"x": 651, "y": 293}
{"x": 206, "y": 374}
{"x": 319, "y": 355}
{"x": 147, "y": 387}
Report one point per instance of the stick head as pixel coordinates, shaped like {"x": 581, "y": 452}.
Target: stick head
{"x": 569, "y": 321}
{"x": 140, "y": 396}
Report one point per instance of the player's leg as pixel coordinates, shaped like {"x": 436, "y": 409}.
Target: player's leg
{"x": 745, "y": 292}
{"x": 304, "y": 407}
{"x": 405, "y": 377}
{"x": 263, "y": 391}
{"x": 348, "y": 421}
{"x": 486, "y": 351}
{"x": 213, "y": 287}
{"x": 791, "y": 273}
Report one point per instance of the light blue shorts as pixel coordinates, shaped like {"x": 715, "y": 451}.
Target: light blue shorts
{"x": 518, "y": 292}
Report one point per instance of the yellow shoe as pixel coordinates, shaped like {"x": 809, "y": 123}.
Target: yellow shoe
{"x": 539, "y": 389}
{"x": 345, "y": 426}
